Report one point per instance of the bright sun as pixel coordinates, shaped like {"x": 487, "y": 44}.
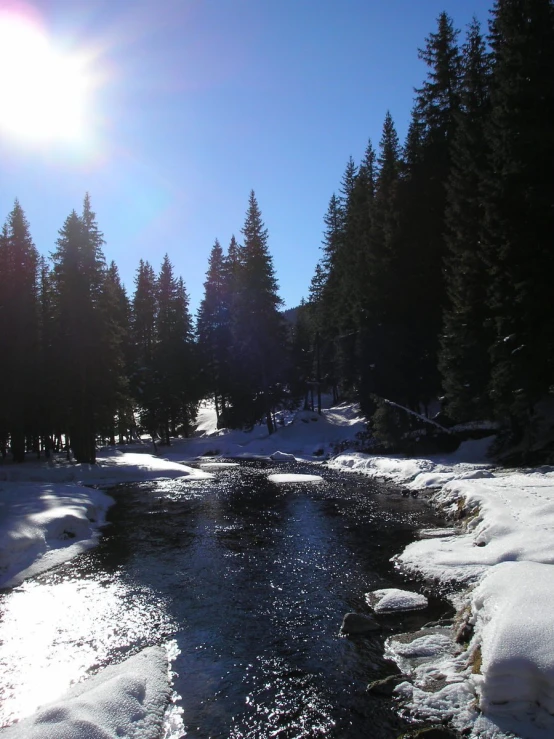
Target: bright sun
{"x": 43, "y": 93}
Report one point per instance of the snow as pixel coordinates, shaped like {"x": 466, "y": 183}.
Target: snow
{"x": 48, "y": 516}
{"x": 283, "y": 457}
{"x": 43, "y": 525}
{"x": 512, "y": 609}
{"x": 281, "y": 478}
{"x": 498, "y": 551}
{"x": 303, "y": 435}
{"x": 124, "y": 701}
{"x": 501, "y": 552}
{"x": 394, "y": 599}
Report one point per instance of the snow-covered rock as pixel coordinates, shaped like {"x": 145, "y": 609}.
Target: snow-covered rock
{"x": 283, "y": 457}
{"x": 393, "y": 599}
{"x": 358, "y": 623}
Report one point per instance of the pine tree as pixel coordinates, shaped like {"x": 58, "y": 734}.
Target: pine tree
{"x": 303, "y": 376}
{"x": 214, "y": 327}
{"x": 172, "y": 361}
{"x": 143, "y": 330}
{"x": 464, "y": 360}
{"x": 519, "y": 209}
{"x": 340, "y": 299}
{"x": 420, "y": 243}
{"x": 118, "y": 353}
{"x": 258, "y": 333}
{"x": 47, "y": 407}
{"x": 19, "y": 331}
{"x": 382, "y": 338}
{"x": 83, "y": 336}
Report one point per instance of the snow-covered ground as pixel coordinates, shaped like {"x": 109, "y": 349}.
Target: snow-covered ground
{"x": 499, "y": 679}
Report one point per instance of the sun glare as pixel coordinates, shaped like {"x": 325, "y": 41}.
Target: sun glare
{"x": 43, "y": 92}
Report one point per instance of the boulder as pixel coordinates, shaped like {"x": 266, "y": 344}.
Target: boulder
{"x": 386, "y": 686}
{"x": 358, "y": 623}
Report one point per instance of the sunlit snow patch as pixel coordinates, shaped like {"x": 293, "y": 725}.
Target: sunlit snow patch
{"x": 289, "y": 477}
{"x": 125, "y": 700}
{"x": 393, "y": 599}
{"x": 437, "y": 533}
{"x": 512, "y": 609}
{"x": 283, "y": 457}
{"x": 219, "y": 465}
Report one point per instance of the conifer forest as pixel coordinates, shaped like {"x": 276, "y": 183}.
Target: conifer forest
{"x": 434, "y": 291}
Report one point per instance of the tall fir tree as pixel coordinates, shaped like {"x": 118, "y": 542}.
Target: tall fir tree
{"x": 214, "y": 329}
{"x": 519, "y": 208}
{"x": 84, "y": 335}
{"x": 143, "y": 331}
{"x": 420, "y": 244}
{"x": 382, "y": 344}
{"x": 173, "y": 362}
{"x": 19, "y": 331}
{"x": 118, "y": 352}
{"x": 464, "y": 359}
{"x": 258, "y": 331}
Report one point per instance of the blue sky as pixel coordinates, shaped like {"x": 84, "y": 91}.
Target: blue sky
{"x": 196, "y": 102}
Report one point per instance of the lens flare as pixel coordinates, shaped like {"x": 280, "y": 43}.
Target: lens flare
{"x": 43, "y": 91}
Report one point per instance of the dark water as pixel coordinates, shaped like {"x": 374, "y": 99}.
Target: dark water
{"x": 248, "y": 581}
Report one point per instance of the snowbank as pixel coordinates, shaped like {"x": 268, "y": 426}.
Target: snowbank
{"x": 112, "y": 467}
{"x": 125, "y": 701}
{"x": 512, "y": 610}
{"x": 42, "y": 525}
{"x": 46, "y": 518}
{"x": 508, "y": 517}
{"x": 503, "y": 548}
{"x": 303, "y": 435}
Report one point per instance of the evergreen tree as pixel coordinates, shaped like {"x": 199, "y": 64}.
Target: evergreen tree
{"x": 143, "y": 329}
{"x": 172, "y": 354}
{"x": 302, "y": 379}
{"x": 19, "y": 330}
{"x": 382, "y": 338}
{"x": 519, "y": 208}
{"x": 47, "y": 409}
{"x": 352, "y": 197}
{"x": 464, "y": 360}
{"x": 214, "y": 327}
{"x": 118, "y": 352}
{"x": 83, "y": 337}
{"x": 420, "y": 243}
{"x": 258, "y": 332}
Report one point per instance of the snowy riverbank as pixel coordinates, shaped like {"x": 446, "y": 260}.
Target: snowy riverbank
{"x": 497, "y": 677}
{"x": 503, "y": 660}
{"x": 49, "y": 513}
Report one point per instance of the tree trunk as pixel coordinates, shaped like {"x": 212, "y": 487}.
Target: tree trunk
{"x": 18, "y": 445}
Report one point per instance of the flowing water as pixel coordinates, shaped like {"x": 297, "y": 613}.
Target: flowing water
{"x": 247, "y": 582}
